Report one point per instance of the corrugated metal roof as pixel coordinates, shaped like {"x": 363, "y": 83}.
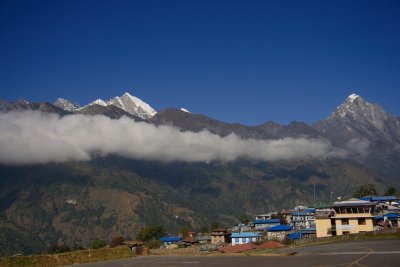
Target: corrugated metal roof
{"x": 310, "y": 230}
{"x": 245, "y": 234}
{"x": 267, "y": 221}
{"x": 352, "y": 202}
{"x": 295, "y": 236}
{"x": 171, "y": 238}
{"x": 379, "y": 198}
{"x": 280, "y": 228}
{"x": 392, "y": 215}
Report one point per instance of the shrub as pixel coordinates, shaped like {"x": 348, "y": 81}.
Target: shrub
{"x": 116, "y": 241}
{"x": 97, "y": 243}
{"x": 153, "y": 244}
{"x": 56, "y": 248}
{"x": 150, "y": 232}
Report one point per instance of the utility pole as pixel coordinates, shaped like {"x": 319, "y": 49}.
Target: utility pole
{"x": 315, "y": 200}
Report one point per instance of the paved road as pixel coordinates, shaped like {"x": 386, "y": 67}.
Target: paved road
{"x": 352, "y": 253}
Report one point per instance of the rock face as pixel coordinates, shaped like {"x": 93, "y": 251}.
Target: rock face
{"x": 133, "y": 105}
{"x": 76, "y": 201}
{"x": 66, "y": 105}
{"x": 358, "y": 119}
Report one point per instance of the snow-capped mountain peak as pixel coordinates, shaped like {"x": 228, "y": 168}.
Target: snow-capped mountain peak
{"x": 352, "y": 97}
{"x": 128, "y": 103}
{"x": 185, "y": 110}
{"x": 66, "y": 104}
{"x": 98, "y": 102}
{"x": 356, "y": 118}
{"x": 353, "y": 105}
{"x": 133, "y": 105}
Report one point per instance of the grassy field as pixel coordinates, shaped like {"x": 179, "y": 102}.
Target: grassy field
{"x": 82, "y": 256}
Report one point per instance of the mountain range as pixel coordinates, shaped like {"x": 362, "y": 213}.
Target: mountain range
{"x": 73, "y": 201}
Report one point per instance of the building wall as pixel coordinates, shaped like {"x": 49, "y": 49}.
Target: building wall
{"x": 322, "y": 225}
{"x": 277, "y": 235}
{"x": 217, "y": 239}
{"x": 244, "y": 240}
{"x": 353, "y": 226}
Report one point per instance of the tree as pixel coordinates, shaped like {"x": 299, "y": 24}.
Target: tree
{"x": 184, "y": 232}
{"x": 204, "y": 229}
{"x": 365, "y": 190}
{"x": 214, "y": 225}
{"x": 116, "y": 241}
{"x": 148, "y": 233}
{"x": 280, "y": 216}
{"x": 56, "y": 248}
{"x": 391, "y": 191}
{"x": 244, "y": 219}
{"x": 97, "y": 243}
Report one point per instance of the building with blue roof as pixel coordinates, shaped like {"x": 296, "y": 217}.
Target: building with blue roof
{"x": 263, "y": 225}
{"x": 393, "y": 219}
{"x": 385, "y": 204}
{"x": 279, "y": 232}
{"x": 245, "y": 238}
{"x": 303, "y": 219}
{"x": 380, "y": 198}
{"x": 168, "y": 240}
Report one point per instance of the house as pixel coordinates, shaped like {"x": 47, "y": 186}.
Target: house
{"x": 309, "y": 232}
{"x": 381, "y": 199}
{"x": 166, "y": 240}
{"x": 265, "y": 216}
{"x": 346, "y": 217}
{"x": 203, "y": 239}
{"x": 391, "y": 219}
{"x": 303, "y": 219}
{"x": 385, "y": 204}
{"x": 278, "y": 232}
{"x": 287, "y": 215}
{"x": 245, "y": 238}
{"x": 304, "y": 233}
{"x": 220, "y": 236}
{"x": 263, "y": 225}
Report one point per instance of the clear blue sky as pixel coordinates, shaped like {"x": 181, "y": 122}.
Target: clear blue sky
{"x": 236, "y": 61}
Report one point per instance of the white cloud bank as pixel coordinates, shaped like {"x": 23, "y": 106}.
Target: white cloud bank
{"x": 34, "y": 137}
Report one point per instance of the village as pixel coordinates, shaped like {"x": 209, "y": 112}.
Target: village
{"x": 354, "y": 216}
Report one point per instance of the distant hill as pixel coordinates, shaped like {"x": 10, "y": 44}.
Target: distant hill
{"x": 73, "y": 202}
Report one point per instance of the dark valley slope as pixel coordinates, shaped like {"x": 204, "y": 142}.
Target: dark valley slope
{"x": 74, "y": 202}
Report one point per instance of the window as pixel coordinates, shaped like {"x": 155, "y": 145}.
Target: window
{"x": 345, "y": 221}
{"x": 361, "y": 221}
{"x": 346, "y": 233}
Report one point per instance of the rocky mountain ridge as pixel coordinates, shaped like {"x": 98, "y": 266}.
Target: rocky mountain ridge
{"x": 75, "y": 201}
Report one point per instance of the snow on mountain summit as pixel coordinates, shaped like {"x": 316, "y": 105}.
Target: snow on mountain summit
{"x": 66, "y": 104}
{"x": 130, "y": 104}
{"x": 352, "y": 97}
{"x": 98, "y": 102}
{"x": 356, "y": 118}
{"x": 133, "y": 105}
{"x": 185, "y": 110}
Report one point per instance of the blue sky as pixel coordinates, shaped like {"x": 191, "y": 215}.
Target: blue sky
{"x": 236, "y": 61}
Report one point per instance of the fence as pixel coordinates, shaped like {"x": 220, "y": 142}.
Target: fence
{"x": 346, "y": 237}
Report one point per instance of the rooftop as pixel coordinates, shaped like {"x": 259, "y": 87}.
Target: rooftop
{"x": 352, "y": 202}
{"x": 245, "y": 234}
{"x": 267, "y": 221}
{"x": 379, "y": 198}
{"x": 280, "y": 228}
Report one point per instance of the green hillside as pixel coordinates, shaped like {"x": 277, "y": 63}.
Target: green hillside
{"x": 72, "y": 203}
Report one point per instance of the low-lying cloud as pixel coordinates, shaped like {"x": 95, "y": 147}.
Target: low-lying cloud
{"x": 34, "y": 137}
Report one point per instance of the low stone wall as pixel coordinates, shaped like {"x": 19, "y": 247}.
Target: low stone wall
{"x": 192, "y": 251}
